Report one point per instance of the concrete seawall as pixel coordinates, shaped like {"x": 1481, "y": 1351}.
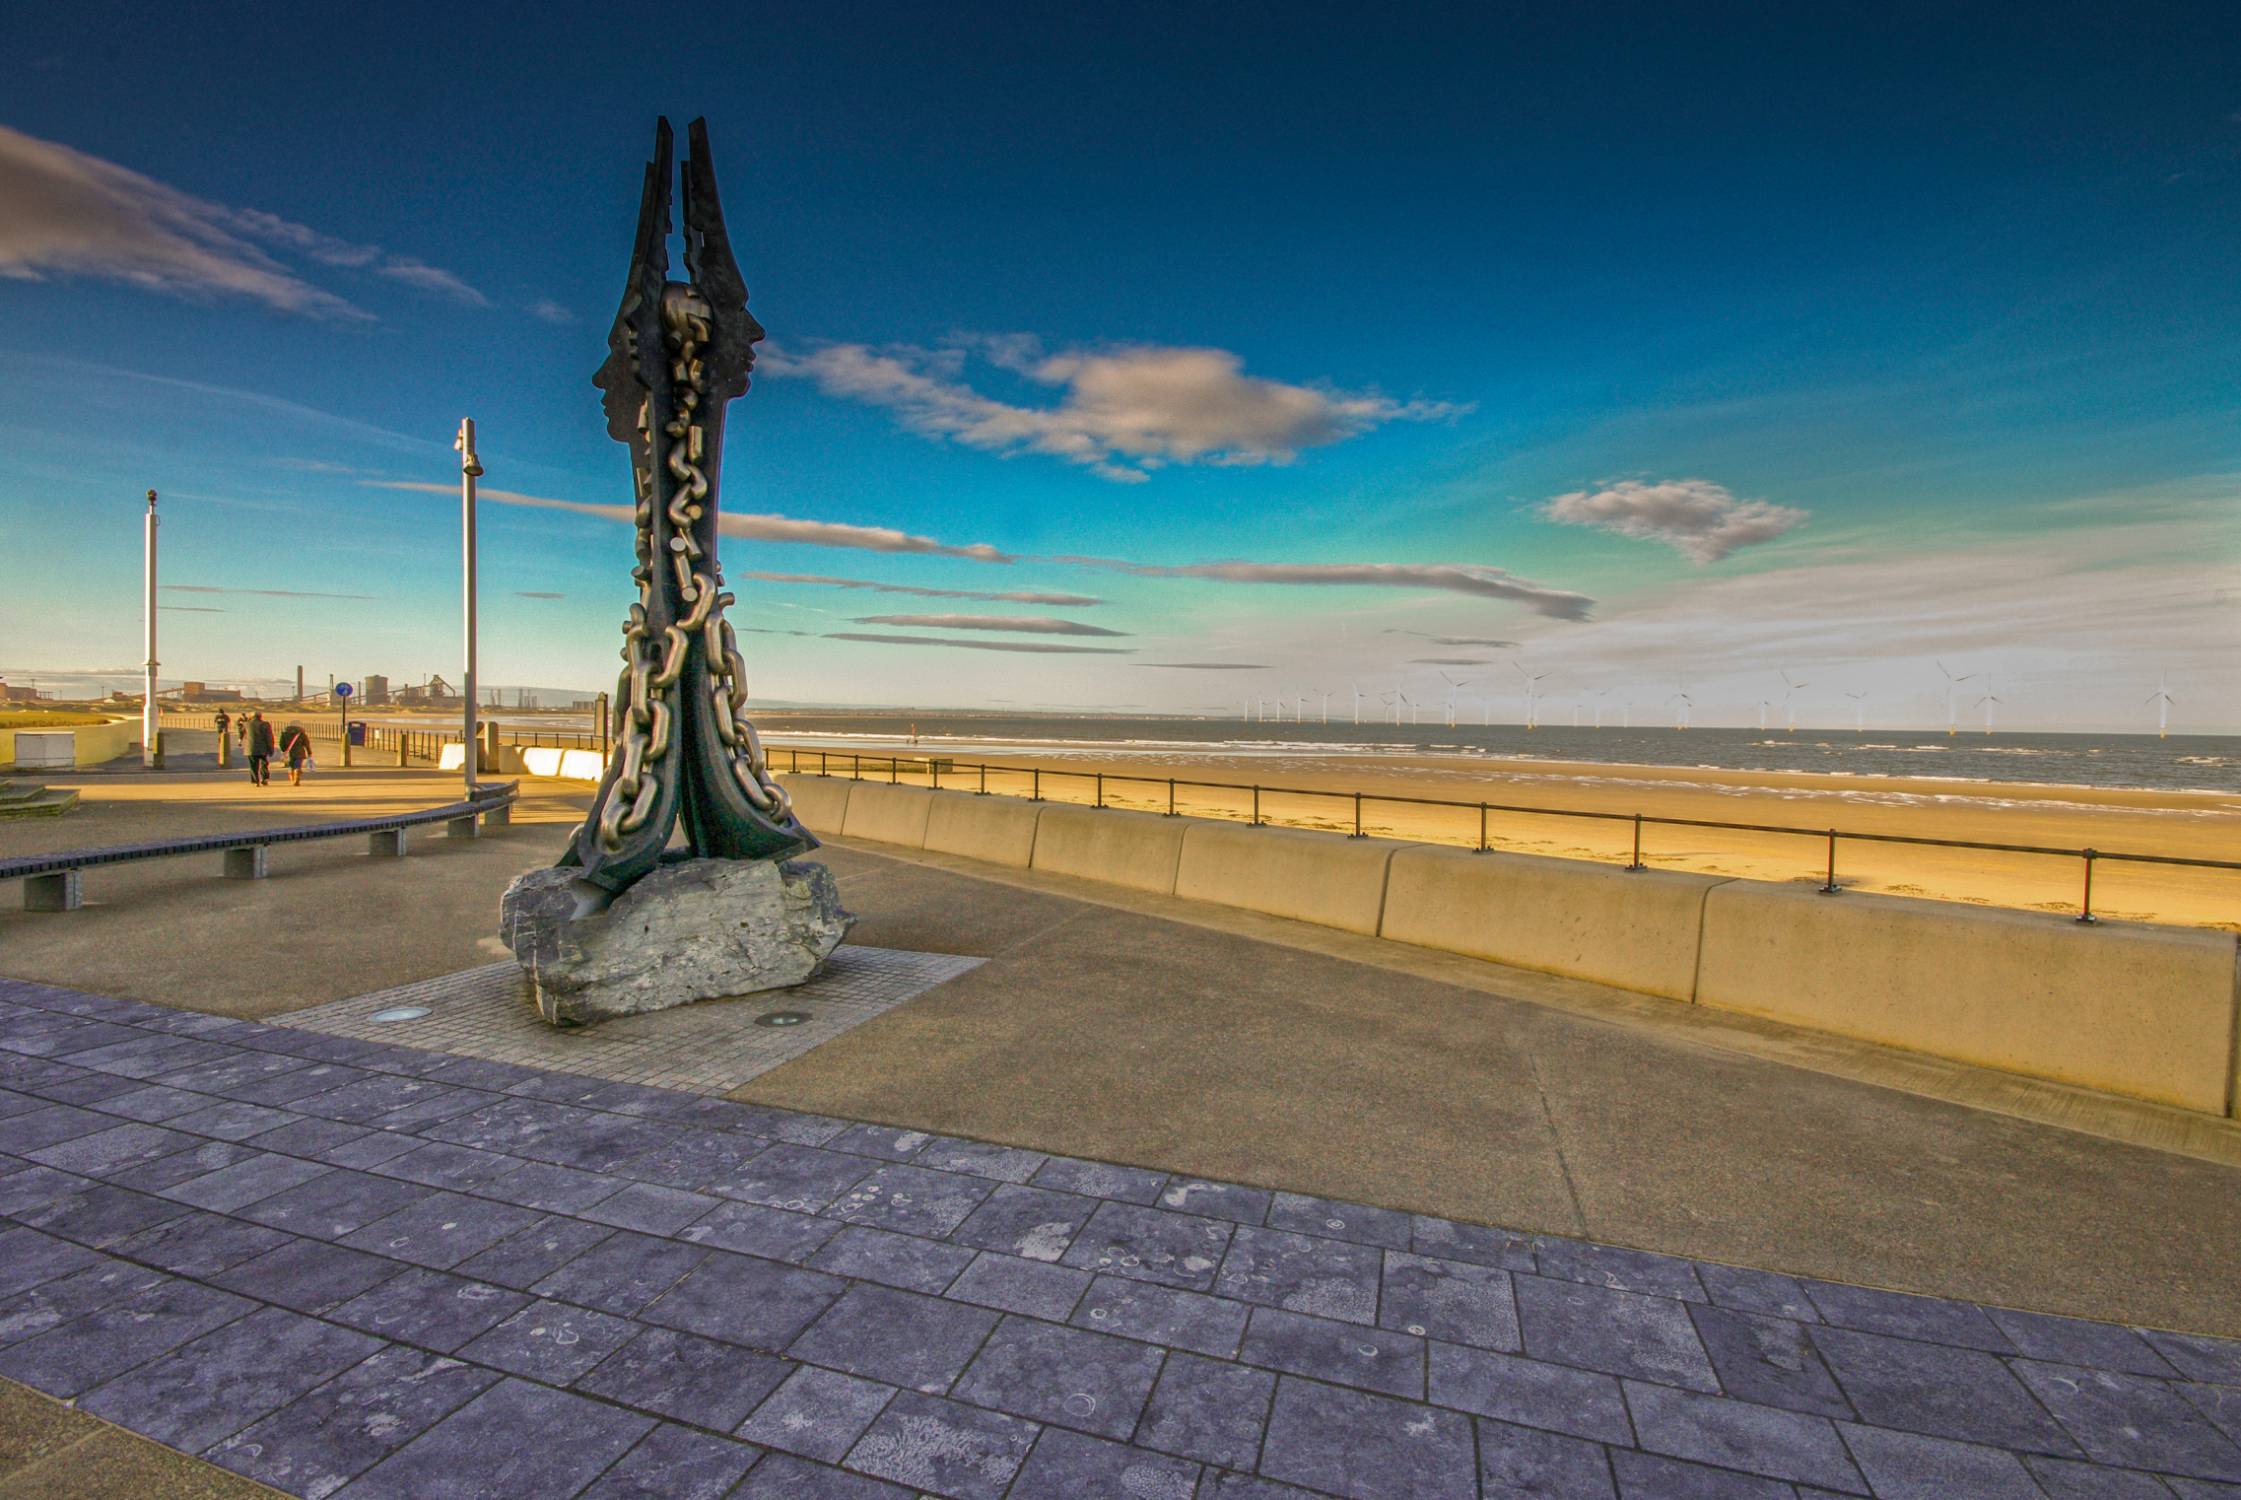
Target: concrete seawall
{"x": 2145, "y": 1011}
{"x": 2149, "y": 1012}
{"x": 1634, "y": 929}
{"x": 1286, "y": 872}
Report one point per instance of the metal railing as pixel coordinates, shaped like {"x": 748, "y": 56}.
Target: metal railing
{"x": 933, "y": 769}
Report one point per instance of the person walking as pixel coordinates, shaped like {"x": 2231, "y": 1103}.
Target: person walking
{"x": 224, "y": 722}
{"x": 256, "y": 738}
{"x": 295, "y": 745}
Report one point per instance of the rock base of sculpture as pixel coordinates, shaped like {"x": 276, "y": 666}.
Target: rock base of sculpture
{"x": 691, "y": 930}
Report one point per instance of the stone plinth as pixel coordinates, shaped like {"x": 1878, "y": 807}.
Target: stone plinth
{"x": 691, "y": 930}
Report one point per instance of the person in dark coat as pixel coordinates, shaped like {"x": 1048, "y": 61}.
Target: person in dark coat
{"x": 295, "y": 745}
{"x": 256, "y": 738}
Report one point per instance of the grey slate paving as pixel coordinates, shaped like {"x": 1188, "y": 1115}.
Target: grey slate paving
{"x": 891, "y": 1259}
{"x": 1071, "y": 1466}
{"x": 1523, "y": 1463}
{"x": 1062, "y": 1376}
{"x": 1302, "y": 1274}
{"x": 347, "y": 1267}
{"x": 1150, "y": 1244}
{"x": 902, "y": 1338}
{"x": 951, "y": 1449}
{"x": 550, "y": 1342}
{"x": 1368, "y": 1447}
{"x": 817, "y": 1413}
{"x": 320, "y": 1442}
{"x": 1375, "y": 1359}
{"x": 1208, "y": 1410}
{"x": 1010, "y": 1284}
{"x": 745, "y": 1301}
{"x": 217, "y": 1384}
{"x": 514, "y": 1439}
{"x": 683, "y": 1376}
{"x": 675, "y": 1463}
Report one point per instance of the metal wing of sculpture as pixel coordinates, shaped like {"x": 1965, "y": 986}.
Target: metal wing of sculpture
{"x": 678, "y": 353}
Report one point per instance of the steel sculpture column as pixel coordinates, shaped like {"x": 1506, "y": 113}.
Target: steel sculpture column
{"x": 684, "y": 751}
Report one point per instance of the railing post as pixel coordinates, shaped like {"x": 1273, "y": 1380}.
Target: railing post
{"x": 1036, "y": 795}
{"x": 1256, "y": 807}
{"x": 1100, "y": 791}
{"x": 821, "y": 763}
{"x": 983, "y": 780}
{"x": 894, "y": 770}
{"x": 855, "y": 765}
{"x": 934, "y": 772}
{"x": 1171, "y": 796}
{"x": 1637, "y": 864}
{"x": 1481, "y": 829}
{"x": 1830, "y": 888}
{"x": 1357, "y": 833}
{"x": 2085, "y": 907}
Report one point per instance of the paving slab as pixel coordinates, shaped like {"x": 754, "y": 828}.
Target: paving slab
{"x": 779, "y": 1306}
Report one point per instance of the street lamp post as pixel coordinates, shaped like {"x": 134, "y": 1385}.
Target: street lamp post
{"x": 470, "y": 468}
{"x": 151, "y": 743}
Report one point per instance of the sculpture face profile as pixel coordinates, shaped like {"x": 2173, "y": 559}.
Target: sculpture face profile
{"x": 678, "y": 353}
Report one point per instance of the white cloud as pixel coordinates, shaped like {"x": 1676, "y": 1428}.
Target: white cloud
{"x": 1121, "y": 412}
{"x": 731, "y": 523}
{"x": 984, "y": 596}
{"x": 550, "y": 311}
{"x": 1035, "y": 647}
{"x": 1025, "y": 624}
{"x": 1695, "y": 517}
{"x": 71, "y": 214}
{"x": 1474, "y": 579}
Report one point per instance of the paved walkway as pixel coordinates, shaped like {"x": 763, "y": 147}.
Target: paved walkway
{"x": 341, "y": 1267}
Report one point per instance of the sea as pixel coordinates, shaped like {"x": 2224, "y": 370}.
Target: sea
{"x": 2136, "y": 761}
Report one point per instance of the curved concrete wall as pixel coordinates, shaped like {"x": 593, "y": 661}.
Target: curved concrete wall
{"x": 2144, "y": 1011}
{"x": 1138, "y": 850}
{"x": 887, "y": 814}
{"x": 1286, "y": 872}
{"x": 2150, "y": 1012}
{"x": 821, "y": 802}
{"x": 1000, "y": 830}
{"x": 1637, "y": 929}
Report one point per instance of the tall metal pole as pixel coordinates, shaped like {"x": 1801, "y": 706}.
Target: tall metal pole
{"x": 470, "y": 467}
{"x": 150, "y": 744}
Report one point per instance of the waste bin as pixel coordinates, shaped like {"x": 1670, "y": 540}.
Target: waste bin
{"x": 357, "y": 732}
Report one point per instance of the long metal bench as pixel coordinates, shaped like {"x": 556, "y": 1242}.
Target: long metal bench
{"x": 52, "y": 882}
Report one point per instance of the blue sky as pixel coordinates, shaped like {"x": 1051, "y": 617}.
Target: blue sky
{"x": 1674, "y": 348}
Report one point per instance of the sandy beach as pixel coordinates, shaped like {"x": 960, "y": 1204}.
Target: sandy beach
{"x": 2182, "y": 824}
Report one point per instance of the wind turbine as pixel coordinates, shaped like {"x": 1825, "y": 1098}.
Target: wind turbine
{"x": 1325, "y": 695}
{"x": 1600, "y": 695}
{"x": 1987, "y": 701}
{"x": 1952, "y": 689}
{"x": 1789, "y": 711}
{"x": 1681, "y": 719}
{"x": 1762, "y": 715}
{"x": 2162, "y": 701}
{"x": 1454, "y": 684}
{"x": 1859, "y": 712}
{"x": 1532, "y": 695}
{"x": 1357, "y": 686}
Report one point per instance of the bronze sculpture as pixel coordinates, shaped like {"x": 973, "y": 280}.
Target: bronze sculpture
{"x": 679, "y": 352}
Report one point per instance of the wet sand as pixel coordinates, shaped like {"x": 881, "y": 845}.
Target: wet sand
{"x": 2194, "y": 825}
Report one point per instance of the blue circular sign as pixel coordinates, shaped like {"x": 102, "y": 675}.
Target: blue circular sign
{"x": 342, "y": 690}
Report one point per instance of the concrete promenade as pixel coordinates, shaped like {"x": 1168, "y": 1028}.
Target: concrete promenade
{"x": 344, "y": 1268}
{"x": 1694, "y": 1212}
